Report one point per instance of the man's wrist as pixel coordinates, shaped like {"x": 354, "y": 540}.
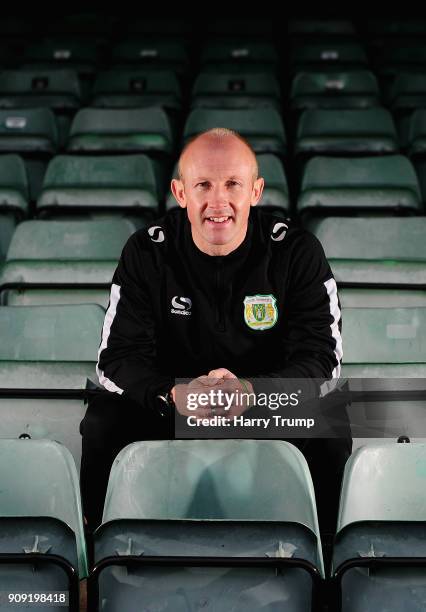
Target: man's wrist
{"x": 165, "y": 402}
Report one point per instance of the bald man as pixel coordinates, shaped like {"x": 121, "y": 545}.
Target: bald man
{"x": 184, "y": 304}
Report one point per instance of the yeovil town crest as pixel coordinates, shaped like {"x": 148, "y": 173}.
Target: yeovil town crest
{"x": 260, "y": 311}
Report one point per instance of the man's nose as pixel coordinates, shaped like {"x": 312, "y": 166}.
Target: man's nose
{"x": 219, "y": 197}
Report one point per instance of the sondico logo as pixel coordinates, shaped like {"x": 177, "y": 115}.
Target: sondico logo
{"x": 181, "y": 306}
{"x": 279, "y": 231}
{"x": 156, "y": 233}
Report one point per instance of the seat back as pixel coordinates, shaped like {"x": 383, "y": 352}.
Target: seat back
{"x": 263, "y": 127}
{"x": 379, "y": 251}
{"x": 125, "y": 130}
{"x": 384, "y": 482}
{"x": 116, "y": 183}
{"x": 378, "y": 183}
{"x": 66, "y": 334}
{"x": 346, "y": 132}
{"x": 52, "y": 262}
{"x": 39, "y": 479}
{"x": 43, "y": 349}
{"x": 205, "y": 479}
{"x": 28, "y": 131}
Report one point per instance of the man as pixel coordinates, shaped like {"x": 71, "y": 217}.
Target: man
{"x": 183, "y": 302}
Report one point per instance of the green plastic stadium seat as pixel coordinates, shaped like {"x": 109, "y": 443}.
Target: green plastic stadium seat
{"x": 417, "y": 134}
{"x": 40, "y": 513}
{"x": 339, "y": 90}
{"x": 256, "y": 90}
{"x": 47, "y": 348}
{"x": 391, "y": 27}
{"x": 14, "y": 197}
{"x": 382, "y": 184}
{"x": 65, "y": 337}
{"x": 382, "y": 516}
{"x": 381, "y": 298}
{"x": 28, "y": 131}
{"x": 398, "y": 58}
{"x": 384, "y": 342}
{"x": 407, "y": 92}
{"x": 416, "y": 143}
{"x": 13, "y": 185}
{"x": 327, "y": 56}
{"x": 379, "y": 251}
{"x": 237, "y": 56}
{"x": 386, "y": 256}
{"x": 275, "y": 193}
{"x": 151, "y": 54}
{"x": 119, "y": 184}
{"x": 7, "y": 227}
{"x": 239, "y": 52}
{"x": 240, "y": 68}
{"x": 145, "y": 130}
{"x": 60, "y": 53}
{"x": 330, "y": 28}
{"x": 32, "y": 133}
{"x": 346, "y": 132}
{"x": 56, "y": 89}
{"x": 262, "y": 127}
{"x": 63, "y": 262}
{"x": 214, "y": 498}
{"x": 136, "y": 88}
{"x": 420, "y": 166}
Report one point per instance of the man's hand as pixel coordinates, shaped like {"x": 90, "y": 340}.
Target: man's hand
{"x": 233, "y": 387}
{"x": 220, "y": 390}
{"x": 187, "y": 398}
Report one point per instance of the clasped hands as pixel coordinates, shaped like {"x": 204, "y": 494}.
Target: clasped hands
{"x": 220, "y": 392}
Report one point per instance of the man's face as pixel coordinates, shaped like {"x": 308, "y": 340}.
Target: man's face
{"x": 217, "y": 189}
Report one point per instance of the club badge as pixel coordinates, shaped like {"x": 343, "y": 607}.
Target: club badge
{"x": 260, "y": 311}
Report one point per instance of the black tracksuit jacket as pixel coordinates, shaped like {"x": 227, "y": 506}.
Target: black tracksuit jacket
{"x": 175, "y": 311}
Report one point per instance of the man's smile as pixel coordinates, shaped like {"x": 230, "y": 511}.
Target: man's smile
{"x": 215, "y": 221}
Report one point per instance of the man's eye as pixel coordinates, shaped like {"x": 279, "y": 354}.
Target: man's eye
{"x": 232, "y": 183}
{"x": 203, "y": 184}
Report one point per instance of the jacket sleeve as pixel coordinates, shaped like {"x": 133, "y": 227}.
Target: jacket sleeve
{"x": 311, "y": 343}
{"x": 127, "y": 358}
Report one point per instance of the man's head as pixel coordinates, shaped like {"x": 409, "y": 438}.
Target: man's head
{"x": 217, "y": 184}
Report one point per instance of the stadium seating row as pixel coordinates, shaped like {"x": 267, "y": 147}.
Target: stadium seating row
{"x": 174, "y": 51}
{"x": 87, "y": 24}
{"x": 37, "y": 136}
{"x": 135, "y": 182}
{"x": 376, "y": 261}
{"x": 249, "y": 86}
{"x": 48, "y": 355}
{"x": 367, "y": 130}
{"x": 229, "y": 523}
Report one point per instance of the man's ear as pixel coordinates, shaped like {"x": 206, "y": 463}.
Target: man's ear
{"x": 178, "y": 190}
{"x": 257, "y": 191}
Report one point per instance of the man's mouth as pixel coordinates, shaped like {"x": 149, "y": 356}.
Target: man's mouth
{"x": 219, "y": 220}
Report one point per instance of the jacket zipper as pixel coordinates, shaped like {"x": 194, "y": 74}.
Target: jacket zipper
{"x": 219, "y": 297}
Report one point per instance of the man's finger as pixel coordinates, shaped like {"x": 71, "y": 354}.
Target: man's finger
{"x": 210, "y": 381}
{"x": 221, "y": 373}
